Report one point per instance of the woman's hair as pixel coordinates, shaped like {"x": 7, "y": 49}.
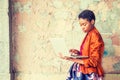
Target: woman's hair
{"x": 87, "y": 14}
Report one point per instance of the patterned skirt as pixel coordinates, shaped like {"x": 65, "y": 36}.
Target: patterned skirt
{"x": 74, "y": 74}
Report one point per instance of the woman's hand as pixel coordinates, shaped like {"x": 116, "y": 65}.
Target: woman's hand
{"x": 70, "y": 59}
{"x": 75, "y": 60}
{"x": 64, "y": 57}
{"x": 74, "y": 52}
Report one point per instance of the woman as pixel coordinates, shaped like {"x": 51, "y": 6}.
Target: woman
{"x": 93, "y": 46}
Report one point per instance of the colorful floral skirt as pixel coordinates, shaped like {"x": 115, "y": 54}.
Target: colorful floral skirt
{"x": 74, "y": 74}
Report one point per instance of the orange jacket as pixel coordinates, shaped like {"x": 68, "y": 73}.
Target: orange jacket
{"x": 93, "y": 47}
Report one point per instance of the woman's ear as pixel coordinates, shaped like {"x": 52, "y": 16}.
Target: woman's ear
{"x": 93, "y": 22}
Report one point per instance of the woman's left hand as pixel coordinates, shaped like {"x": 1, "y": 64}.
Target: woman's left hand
{"x": 75, "y": 60}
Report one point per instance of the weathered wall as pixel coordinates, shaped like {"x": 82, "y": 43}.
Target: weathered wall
{"x": 4, "y": 41}
{"x": 35, "y": 22}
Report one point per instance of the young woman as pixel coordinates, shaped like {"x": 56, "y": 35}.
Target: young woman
{"x": 93, "y": 46}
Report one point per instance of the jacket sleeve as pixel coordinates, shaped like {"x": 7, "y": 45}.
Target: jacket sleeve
{"x": 95, "y": 51}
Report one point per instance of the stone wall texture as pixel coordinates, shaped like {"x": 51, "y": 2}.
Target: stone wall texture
{"x": 34, "y": 22}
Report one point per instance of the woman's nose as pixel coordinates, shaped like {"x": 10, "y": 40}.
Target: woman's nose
{"x": 83, "y": 28}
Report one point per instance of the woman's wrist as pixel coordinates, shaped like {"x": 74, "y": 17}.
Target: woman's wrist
{"x": 75, "y": 60}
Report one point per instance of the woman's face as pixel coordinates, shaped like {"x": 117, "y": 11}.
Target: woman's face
{"x": 86, "y": 25}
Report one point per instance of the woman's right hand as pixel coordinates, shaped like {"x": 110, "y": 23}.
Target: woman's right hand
{"x": 74, "y": 52}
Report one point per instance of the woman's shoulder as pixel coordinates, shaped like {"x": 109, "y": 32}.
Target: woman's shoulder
{"x": 95, "y": 33}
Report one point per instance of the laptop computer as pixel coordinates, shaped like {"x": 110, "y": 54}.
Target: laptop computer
{"x": 59, "y": 46}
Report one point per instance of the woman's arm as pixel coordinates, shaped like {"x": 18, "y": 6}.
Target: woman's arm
{"x": 75, "y": 60}
{"x": 95, "y": 51}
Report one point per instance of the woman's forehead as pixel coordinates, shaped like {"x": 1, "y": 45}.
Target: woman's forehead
{"x": 81, "y": 20}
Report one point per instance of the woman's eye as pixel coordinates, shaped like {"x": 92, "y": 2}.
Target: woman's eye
{"x": 84, "y": 24}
